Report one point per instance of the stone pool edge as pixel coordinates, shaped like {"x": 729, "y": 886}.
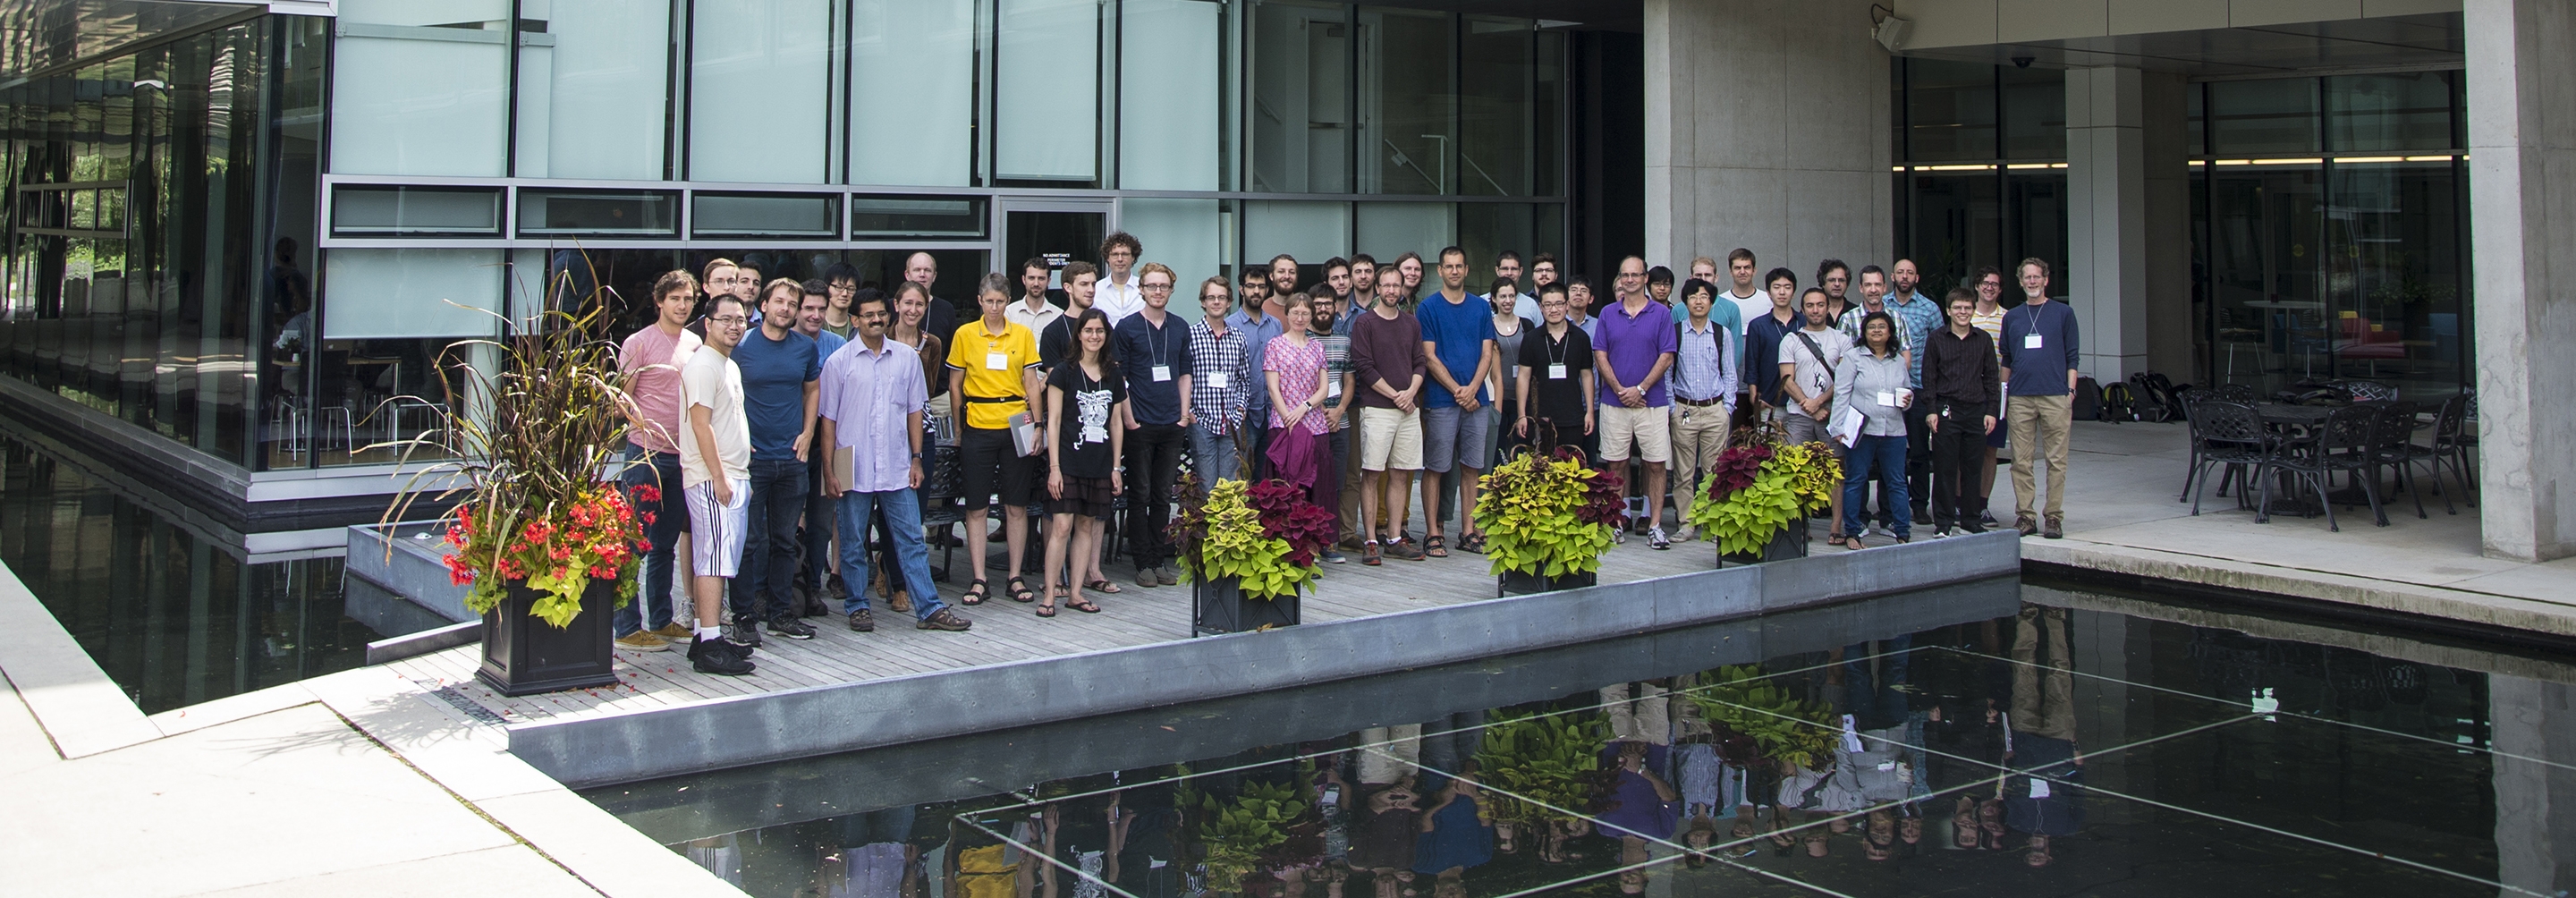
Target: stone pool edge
{"x": 651, "y": 743}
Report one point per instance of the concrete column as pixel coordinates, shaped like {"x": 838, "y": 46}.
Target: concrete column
{"x": 2127, "y": 271}
{"x": 1767, "y": 128}
{"x": 2535, "y": 847}
{"x": 2521, "y": 57}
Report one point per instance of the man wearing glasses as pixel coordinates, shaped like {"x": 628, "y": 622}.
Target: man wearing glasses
{"x": 1154, "y": 355}
{"x": 715, "y": 473}
{"x": 1989, "y": 317}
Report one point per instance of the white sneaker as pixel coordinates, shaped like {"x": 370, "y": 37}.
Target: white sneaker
{"x": 1655, "y": 538}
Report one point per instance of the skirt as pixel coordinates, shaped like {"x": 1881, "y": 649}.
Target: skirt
{"x": 1089, "y": 496}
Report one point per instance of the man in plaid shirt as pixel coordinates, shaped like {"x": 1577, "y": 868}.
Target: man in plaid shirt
{"x": 1220, "y": 384}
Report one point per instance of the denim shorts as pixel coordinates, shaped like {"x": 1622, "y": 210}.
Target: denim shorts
{"x": 1454, "y": 438}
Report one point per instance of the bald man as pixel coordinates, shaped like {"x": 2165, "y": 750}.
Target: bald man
{"x": 941, "y": 319}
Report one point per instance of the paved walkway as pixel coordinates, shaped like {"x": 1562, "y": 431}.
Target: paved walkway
{"x": 2121, "y": 515}
{"x": 350, "y": 784}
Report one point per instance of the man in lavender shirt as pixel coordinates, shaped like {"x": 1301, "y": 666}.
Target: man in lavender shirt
{"x": 873, "y": 394}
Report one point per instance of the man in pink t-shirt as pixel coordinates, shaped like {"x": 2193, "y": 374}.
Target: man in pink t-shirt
{"x": 651, "y": 360}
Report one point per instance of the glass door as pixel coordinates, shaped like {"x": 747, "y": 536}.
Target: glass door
{"x": 1056, "y": 230}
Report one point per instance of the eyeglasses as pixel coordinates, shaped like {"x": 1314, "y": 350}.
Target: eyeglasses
{"x": 734, "y": 320}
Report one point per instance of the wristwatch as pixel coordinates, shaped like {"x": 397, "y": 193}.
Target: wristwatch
{"x": 916, "y": 456}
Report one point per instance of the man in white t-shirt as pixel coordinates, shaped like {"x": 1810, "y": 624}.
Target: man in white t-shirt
{"x": 715, "y": 472}
{"x": 1750, "y": 300}
{"x": 1118, "y": 295}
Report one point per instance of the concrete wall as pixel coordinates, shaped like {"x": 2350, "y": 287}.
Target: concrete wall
{"x": 2127, "y": 273}
{"x": 753, "y": 729}
{"x": 2535, "y": 846}
{"x": 1961, "y": 23}
{"x": 1766, "y": 128}
{"x": 2522, "y": 208}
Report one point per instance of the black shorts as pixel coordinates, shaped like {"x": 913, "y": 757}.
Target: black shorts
{"x": 990, "y": 464}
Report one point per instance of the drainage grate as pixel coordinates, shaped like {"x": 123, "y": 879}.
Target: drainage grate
{"x": 458, "y": 700}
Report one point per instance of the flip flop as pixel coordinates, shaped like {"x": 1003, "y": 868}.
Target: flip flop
{"x": 1083, "y": 605}
{"x": 1103, "y": 586}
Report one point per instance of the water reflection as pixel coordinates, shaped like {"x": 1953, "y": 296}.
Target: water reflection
{"x": 1875, "y": 749}
{"x": 173, "y": 616}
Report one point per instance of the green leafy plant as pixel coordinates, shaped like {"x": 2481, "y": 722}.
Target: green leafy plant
{"x": 1740, "y": 701}
{"x": 1225, "y": 535}
{"x": 1764, "y": 483}
{"x": 1235, "y": 833}
{"x": 1541, "y": 766}
{"x": 1534, "y": 515}
{"x": 526, "y": 441}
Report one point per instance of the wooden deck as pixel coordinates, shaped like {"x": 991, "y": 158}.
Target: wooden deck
{"x": 1005, "y": 631}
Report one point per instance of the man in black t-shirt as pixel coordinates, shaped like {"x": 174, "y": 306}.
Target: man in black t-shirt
{"x": 1556, "y": 375}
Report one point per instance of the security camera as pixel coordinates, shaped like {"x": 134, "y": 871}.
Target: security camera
{"x": 2024, "y": 61}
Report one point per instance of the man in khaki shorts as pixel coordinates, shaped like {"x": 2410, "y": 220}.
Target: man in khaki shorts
{"x": 1632, "y": 348}
{"x": 1388, "y": 364}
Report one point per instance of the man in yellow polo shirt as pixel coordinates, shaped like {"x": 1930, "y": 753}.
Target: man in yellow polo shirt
{"x": 993, "y": 370}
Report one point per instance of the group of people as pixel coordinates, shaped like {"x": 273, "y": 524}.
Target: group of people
{"x": 804, "y": 431}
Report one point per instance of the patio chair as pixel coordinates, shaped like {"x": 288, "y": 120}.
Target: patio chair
{"x": 2341, "y": 444}
{"x": 2447, "y": 448}
{"x": 2230, "y": 435}
{"x": 2234, "y": 393}
{"x": 2392, "y": 444}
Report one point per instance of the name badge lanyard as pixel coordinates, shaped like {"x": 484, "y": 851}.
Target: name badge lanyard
{"x": 1556, "y": 355}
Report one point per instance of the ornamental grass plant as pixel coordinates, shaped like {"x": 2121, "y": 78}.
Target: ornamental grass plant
{"x": 532, "y": 445}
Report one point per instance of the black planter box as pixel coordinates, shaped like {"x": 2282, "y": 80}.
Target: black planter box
{"x": 1790, "y": 542}
{"x": 1223, "y": 608}
{"x": 1520, "y": 583}
{"x": 523, "y": 655}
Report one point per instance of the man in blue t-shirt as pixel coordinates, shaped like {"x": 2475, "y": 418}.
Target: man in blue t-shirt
{"x": 1458, "y": 342}
{"x": 782, "y": 375}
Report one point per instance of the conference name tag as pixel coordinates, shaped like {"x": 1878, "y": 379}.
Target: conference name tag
{"x": 1162, "y": 373}
{"x": 1332, "y": 389}
{"x": 1217, "y": 380}
{"x": 1556, "y": 372}
{"x": 2030, "y": 341}
{"x": 1887, "y": 398}
{"x": 994, "y": 361}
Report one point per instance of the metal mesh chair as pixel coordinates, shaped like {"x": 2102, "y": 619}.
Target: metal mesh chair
{"x": 2341, "y": 444}
{"x": 2230, "y": 435}
{"x": 2392, "y": 444}
{"x": 2449, "y": 420}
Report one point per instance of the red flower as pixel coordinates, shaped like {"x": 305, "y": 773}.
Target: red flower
{"x": 648, "y": 494}
{"x": 458, "y": 572}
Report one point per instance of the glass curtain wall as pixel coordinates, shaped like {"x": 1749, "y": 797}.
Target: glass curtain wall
{"x": 2330, "y": 232}
{"x": 159, "y": 230}
{"x": 1395, "y": 108}
{"x": 1981, "y": 168}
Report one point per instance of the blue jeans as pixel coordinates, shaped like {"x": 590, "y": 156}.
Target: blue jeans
{"x": 1212, "y": 454}
{"x": 910, "y": 555}
{"x": 769, "y": 549}
{"x": 661, "y": 471}
{"x": 1882, "y": 455}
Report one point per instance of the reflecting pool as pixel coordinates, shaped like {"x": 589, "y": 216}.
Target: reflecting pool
{"x": 170, "y": 612}
{"x": 1998, "y": 738}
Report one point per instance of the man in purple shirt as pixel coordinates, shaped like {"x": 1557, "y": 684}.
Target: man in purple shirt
{"x": 873, "y": 394}
{"x": 1632, "y": 348}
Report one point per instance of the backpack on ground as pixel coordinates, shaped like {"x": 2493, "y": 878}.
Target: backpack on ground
{"x": 2119, "y": 403}
{"x": 2156, "y": 401}
{"x": 2175, "y": 407}
{"x": 2088, "y": 400}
